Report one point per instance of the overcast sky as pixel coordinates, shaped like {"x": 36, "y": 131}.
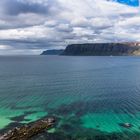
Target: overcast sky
{"x": 31, "y": 26}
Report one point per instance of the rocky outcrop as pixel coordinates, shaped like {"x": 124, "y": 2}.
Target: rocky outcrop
{"x": 52, "y": 52}
{"x": 126, "y": 125}
{"x": 103, "y": 49}
{"x": 28, "y": 131}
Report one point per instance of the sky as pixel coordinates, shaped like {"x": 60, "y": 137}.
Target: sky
{"x": 31, "y": 26}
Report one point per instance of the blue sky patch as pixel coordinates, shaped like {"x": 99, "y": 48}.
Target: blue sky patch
{"x": 129, "y": 2}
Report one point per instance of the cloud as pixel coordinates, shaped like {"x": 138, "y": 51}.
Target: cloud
{"x": 17, "y": 7}
{"x": 4, "y": 47}
{"x": 35, "y": 25}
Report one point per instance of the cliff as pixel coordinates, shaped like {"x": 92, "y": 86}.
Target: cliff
{"x": 52, "y": 52}
{"x": 103, "y": 49}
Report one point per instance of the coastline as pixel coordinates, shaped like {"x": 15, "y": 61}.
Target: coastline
{"x": 29, "y": 130}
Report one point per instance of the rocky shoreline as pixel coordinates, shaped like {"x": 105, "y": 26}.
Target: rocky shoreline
{"x": 28, "y": 131}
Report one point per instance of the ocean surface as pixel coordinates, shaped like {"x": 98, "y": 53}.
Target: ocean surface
{"x": 90, "y": 96}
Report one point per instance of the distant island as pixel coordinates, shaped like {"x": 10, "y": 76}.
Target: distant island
{"x": 98, "y": 49}
{"x": 52, "y": 52}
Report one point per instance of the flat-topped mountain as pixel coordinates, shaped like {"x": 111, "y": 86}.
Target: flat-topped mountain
{"x": 103, "y": 49}
{"x": 52, "y": 52}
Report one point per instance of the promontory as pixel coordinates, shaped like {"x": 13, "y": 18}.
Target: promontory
{"x": 103, "y": 49}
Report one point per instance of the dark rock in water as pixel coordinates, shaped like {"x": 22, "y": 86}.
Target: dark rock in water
{"x": 28, "y": 131}
{"x": 103, "y": 49}
{"x": 52, "y": 52}
{"x": 126, "y": 125}
{"x": 67, "y": 127}
{"x": 97, "y": 126}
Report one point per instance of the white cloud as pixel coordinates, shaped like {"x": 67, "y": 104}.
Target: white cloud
{"x": 4, "y": 47}
{"x": 74, "y": 21}
{"x": 130, "y": 22}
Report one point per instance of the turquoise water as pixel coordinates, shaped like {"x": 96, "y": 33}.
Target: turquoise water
{"x": 89, "y": 96}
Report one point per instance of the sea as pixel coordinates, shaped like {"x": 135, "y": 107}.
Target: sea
{"x": 91, "y": 97}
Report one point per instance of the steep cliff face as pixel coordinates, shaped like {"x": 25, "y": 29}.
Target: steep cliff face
{"x": 103, "y": 49}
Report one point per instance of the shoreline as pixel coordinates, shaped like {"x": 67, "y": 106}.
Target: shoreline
{"x": 29, "y": 130}
{"x": 38, "y": 129}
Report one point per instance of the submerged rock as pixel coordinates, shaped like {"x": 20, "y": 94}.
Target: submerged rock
{"x": 126, "y": 125}
{"x": 28, "y": 131}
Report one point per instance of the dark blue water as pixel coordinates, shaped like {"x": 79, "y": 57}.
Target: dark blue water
{"x": 89, "y": 96}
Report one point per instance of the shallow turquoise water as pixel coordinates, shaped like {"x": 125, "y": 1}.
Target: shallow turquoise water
{"x": 90, "y": 96}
